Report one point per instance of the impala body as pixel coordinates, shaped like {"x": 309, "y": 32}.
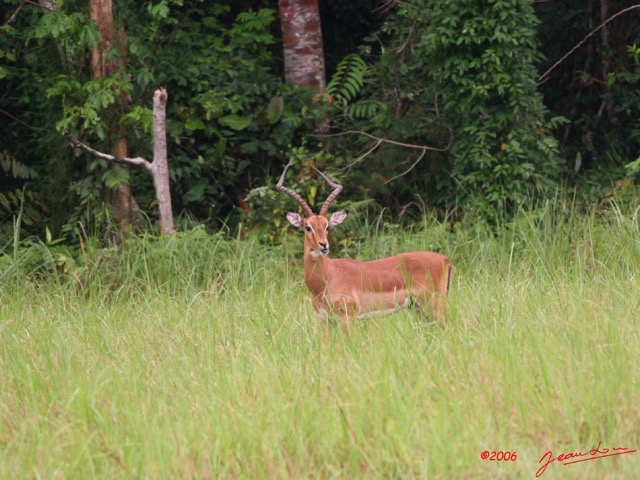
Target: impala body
{"x": 352, "y": 289}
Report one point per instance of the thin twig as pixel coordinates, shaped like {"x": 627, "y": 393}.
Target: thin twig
{"x": 408, "y": 169}
{"x": 364, "y": 155}
{"x": 15, "y": 13}
{"x": 407, "y": 41}
{"x": 544, "y": 76}
{"x": 35, "y": 129}
{"x": 22, "y": 4}
{"x": 392, "y": 142}
{"x": 39, "y": 5}
{"x": 379, "y": 141}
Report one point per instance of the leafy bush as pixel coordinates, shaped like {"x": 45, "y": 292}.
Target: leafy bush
{"x": 482, "y": 57}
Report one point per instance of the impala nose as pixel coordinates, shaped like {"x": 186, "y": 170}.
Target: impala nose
{"x": 324, "y": 248}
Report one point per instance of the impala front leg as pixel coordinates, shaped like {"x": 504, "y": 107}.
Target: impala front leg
{"x": 343, "y": 311}
{"x": 345, "y": 307}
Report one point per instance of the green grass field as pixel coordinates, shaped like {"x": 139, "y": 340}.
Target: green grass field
{"x": 200, "y": 357}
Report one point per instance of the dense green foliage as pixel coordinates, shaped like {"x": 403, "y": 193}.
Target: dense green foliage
{"x": 595, "y": 88}
{"x": 481, "y": 57}
{"x": 197, "y": 356}
{"x": 432, "y": 106}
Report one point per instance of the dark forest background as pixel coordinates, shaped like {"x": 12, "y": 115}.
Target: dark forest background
{"x": 430, "y": 108}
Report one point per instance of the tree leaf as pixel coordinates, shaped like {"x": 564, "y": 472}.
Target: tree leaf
{"x": 275, "y": 109}
{"x": 194, "y": 124}
{"x": 235, "y": 122}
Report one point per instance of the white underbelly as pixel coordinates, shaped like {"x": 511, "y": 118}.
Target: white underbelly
{"x": 379, "y": 304}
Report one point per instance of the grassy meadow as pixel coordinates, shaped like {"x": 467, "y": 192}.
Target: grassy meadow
{"x": 197, "y": 356}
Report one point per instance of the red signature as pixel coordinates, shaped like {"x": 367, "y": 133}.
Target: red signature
{"x": 577, "y": 457}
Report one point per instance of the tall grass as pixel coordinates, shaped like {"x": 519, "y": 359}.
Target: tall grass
{"x": 200, "y": 357}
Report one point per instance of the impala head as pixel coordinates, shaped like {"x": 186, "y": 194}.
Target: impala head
{"x": 315, "y": 227}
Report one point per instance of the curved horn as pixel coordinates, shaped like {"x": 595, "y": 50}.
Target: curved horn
{"x": 336, "y": 191}
{"x": 279, "y": 186}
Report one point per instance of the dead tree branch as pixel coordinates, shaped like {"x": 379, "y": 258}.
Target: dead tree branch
{"x": 159, "y": 168}
{"x": 136, "y": 162}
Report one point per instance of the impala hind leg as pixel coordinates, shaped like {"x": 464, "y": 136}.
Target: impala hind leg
{"x": 432, "y": 302}
{"x": 438, "y": 298}
{"x": 439, "y": 305}
{"x": 431, "y": 307}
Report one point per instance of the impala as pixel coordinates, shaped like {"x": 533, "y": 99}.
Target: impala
{"x": 352, "y": 289}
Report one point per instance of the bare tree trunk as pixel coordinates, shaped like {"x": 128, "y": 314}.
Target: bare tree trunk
{"x": 159, "y": 168}
{"x": 160, "y": 164}
{"x": 302, "y": 42}
{"x": 101, "y": 12}
{"x": 121, "y": 199}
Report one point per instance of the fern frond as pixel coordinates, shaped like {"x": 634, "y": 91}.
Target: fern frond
{"x": 348, "y": 80}
{"x": 364, "y": 109}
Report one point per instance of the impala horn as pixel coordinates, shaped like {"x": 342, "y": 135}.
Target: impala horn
{"x": 281, "y": 188}
{"x": 336, "y": 191}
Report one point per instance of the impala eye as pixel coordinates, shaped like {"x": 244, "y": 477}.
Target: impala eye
{"x": 308, "y": 228}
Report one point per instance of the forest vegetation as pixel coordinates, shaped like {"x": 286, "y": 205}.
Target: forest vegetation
{"x": 439, "y": 107}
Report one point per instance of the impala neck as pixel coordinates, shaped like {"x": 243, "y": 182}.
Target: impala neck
{"x": 316, "y": 269}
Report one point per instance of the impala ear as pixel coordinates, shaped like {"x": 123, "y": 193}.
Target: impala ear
{"x": 337, "y": 218}
{"x": 295, "y": 219}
